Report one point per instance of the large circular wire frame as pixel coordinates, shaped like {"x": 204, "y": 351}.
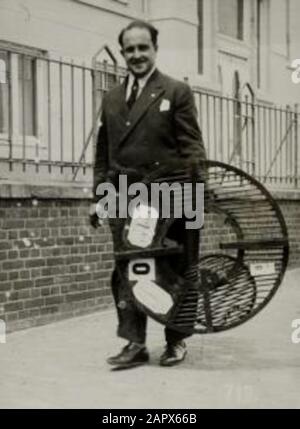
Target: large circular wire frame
{"x": 235, "y": 281}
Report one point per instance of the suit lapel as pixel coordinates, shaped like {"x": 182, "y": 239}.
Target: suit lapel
{"x": 152, "y": 91}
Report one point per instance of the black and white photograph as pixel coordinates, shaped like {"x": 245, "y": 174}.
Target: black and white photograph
{"x": 149, "y": 207}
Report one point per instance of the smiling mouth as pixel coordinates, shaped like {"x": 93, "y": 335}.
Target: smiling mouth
{"x": 138, "y": 64}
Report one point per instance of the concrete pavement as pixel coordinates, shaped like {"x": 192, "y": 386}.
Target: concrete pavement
{"x": 62, "y": 365}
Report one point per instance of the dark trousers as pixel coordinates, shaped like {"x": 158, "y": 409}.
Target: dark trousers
{"x": 132, "y": 322}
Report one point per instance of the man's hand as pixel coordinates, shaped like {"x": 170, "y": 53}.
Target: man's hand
{"x": 95, "y": 221}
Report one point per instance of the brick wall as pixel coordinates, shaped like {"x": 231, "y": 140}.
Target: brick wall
{"x": 53, "y": 265}
{"x": 291, "y": 212}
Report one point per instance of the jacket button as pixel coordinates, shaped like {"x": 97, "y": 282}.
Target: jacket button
{"x": 128, "y": 123}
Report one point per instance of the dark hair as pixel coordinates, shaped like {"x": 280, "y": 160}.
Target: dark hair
{"x": 140, "y": 24}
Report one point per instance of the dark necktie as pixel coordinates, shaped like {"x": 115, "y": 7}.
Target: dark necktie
{"x": 134, "y": 93}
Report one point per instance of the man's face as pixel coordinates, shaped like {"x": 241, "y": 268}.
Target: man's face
{"x": 138, "y": 51}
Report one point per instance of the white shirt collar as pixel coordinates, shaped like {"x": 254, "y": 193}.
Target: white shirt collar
{"x": 142, "y": 82}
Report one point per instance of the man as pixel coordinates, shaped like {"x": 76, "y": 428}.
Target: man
{"x": 147, "y": 121}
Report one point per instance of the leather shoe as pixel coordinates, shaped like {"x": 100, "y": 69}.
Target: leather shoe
{"x": 174, "y": 354}
{"x": 130, "y": 356}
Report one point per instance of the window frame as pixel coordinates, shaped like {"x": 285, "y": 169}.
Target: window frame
{"x": 7, "y": 77}
{"x": 240, "y": 21}
{"x": 14, "y": 140}
{"x": 21, "y": 93}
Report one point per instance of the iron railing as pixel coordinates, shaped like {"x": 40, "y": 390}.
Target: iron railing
{"x": 66, "y": 100}
{"x": 261, "y": 139}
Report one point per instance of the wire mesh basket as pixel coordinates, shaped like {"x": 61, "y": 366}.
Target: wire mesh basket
{"x": 236, "y": 271}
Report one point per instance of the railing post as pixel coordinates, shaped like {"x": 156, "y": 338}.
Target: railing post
{"x": 296, "y": 146}
{"x": 10, "y": 112}
{"x": 61, "y": 114}
{"x": 23, "y": 59}
{"x": 72, "y": 108}
{"x": 49, "y": 104}
{"x": 94, "y": 105}
{"x": 253, "y": 149}
{"x": 83, "y": 111}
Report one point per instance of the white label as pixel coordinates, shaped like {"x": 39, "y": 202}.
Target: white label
{"x": 165, "y": 105}
{"x": 142, "y": 226}
{"x": 141, "y": 270}
{"x": 153, "y": 297}
{"x": 146, "y": 291}
{"x": 262, "y": 269}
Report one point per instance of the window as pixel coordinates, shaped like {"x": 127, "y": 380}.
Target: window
{"x": 4, "y": 93}
{"x": 27, "y": 89}
{"x": 280, "y": 20}
{"x": 18, "y": 89}
{"x": 263, "y": 43}
{"x": 231, "y": 18}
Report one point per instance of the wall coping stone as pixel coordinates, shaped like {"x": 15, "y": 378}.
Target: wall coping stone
{"x": 46, "y": 192}
{"x": 83, "y": 191}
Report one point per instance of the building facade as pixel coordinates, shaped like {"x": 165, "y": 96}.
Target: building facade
{"x": 57, "y": 58}
{"x": 49, "y": 95}
{"x": 207, "y": 41}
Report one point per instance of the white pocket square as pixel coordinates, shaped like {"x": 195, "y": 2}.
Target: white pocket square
{"x": 165, "y": 106}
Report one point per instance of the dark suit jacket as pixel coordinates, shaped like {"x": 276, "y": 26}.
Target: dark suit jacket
{"x": 161, "y": 126}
